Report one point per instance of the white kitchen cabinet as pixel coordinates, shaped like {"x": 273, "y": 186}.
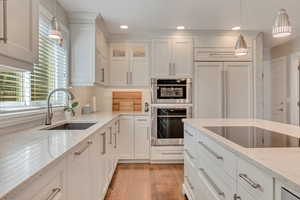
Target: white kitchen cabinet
{"x": 223, "y": 90}
{"x": 134, "y": 138}
{"x": 129, "y": 64}
{"x": 88, "y": 50}
{"x": 141, "y": 138}
{"x": 21, "y": 47}
{"x": 161, "y": 57}
{"x": 172, "y": 58}
{"x": 119, "y": 73}
{"x": 79, "y": 176}
{"x": 182, "y": 57}
{"x": 98, "y": 159}
{"x": 126, "y": 138}
{"x": 51, "y": 183}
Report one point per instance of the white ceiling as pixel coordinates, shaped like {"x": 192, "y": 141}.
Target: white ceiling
{"x": 155, "y": 15}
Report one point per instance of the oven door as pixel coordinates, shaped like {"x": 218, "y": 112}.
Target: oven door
{"x": 167, "y": 125}
{"x": 171, "y": 91}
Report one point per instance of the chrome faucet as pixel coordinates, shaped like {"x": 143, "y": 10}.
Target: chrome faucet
{"x": 49, "y": 114}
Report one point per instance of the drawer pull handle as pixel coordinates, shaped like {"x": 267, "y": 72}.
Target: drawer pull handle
{"x": 103, "y": 143}
{"x": 211, "y": 151}
{"x": 142, "y": 120}
{"x": 216, "y": 188}
{"x": 78, "y": 153}
{"x": 53, "y": 194}
{"x": 189, "y": 154}
{"x": 189, "y": 133}
{"x": 172, "y": 153}
{"x": 236, "y": 197}
{"x": 249, "y": 181}
{"x": 189, "y": 182}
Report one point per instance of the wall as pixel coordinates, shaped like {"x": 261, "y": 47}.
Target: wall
{"x": 291, "y": 51}
{"x": 84, "y": 95}
{"x": 60, "y": 11}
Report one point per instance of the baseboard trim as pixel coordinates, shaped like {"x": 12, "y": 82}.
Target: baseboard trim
{"x": 166, "y": 161}
{"x": 186, "y": 192}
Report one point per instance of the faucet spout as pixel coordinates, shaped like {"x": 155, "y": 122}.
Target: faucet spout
{"x": 49, "y": 114}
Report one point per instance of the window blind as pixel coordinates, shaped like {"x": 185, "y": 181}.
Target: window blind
{"x": 24, "y": 89}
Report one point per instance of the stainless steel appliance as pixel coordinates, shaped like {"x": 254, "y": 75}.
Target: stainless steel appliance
{"x": 287, "y": 195}
{"x": 167, "y": 125}
{"x": 169, "y": 91}
{"x": 254, "y": 137}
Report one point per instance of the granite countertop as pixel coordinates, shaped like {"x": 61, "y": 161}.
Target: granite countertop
{"x": 24, "y": 154}
{"x": 281, "y": 163}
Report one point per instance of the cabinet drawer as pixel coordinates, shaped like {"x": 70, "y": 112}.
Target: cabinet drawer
{"x": 190, "y": 140}
{"x": 243, "y": 194}
{"x": 217, "y": 155}
{"x": 48, "y": 185}
{"x": 254, "y": 181}
{"x": 217, "y": 183}
{"x": 165, "y": 153}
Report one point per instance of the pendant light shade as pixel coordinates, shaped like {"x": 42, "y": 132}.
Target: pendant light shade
{"x": 55, "y": 32}
{"x": 282, "y": 26}
{"x": 241, "y": 48}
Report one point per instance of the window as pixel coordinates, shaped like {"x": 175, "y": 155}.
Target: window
{"x": 20, "y": 90}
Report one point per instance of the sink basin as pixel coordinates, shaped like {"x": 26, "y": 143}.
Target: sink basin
{"x": 71, "y": 126}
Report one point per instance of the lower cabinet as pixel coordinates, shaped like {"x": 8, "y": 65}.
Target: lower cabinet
{"x": 134, "y": 138}
{"x": 51, "y": 184}
{"x": 86, "y": 171}
{"x": 78, "y": 168}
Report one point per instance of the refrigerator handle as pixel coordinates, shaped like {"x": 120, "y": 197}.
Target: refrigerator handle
{"x": 226, "y": 96}
{"x": 223, "y": 93}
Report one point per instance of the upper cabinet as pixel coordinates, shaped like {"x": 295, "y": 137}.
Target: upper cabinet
{"x": 172, "y": 58}
{"x": 129, "y": 64}
{"x": 89, "y": 62}
{"x": 19, "y": 33}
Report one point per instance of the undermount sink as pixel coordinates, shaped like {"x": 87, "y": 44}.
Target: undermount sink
{"x": 71, "y": 126}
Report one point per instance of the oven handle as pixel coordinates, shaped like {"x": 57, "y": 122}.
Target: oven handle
{"x": 171, "y": 116}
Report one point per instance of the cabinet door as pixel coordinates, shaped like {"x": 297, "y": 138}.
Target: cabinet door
{"x": 110, "y": 150}
{"x": 182, "y": 61}
{"x": 238, "y": 89}
{"x": 22, "y": 31}
{"x": 208, "y": 96}
{"x": 79, "y": 177}
{"x": 126, "y": 140}
{"x": 119, "y": 73}
{"x": 141, "y": 138}
{"x": 139, "y": 75}
{"x": 83, "y": 54}
{"x": 97, "y": 166}
{"x": 162, "y": 53}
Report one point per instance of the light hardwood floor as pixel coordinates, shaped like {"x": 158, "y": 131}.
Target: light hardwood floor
{"x": 146, "y": 182}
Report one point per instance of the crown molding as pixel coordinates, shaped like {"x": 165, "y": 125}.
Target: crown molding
{"x": 83, "y": 17}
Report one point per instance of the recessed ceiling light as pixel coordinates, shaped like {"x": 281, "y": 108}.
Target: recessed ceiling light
{"x": 236, "y": 28}
{"x": 124, "y": 27}
{"x": 180, "y": 27}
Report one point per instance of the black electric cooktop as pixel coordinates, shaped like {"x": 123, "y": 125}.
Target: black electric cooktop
{"x": 254, "y": 137}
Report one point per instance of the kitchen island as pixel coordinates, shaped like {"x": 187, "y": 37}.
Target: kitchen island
{"x": 240, "y": 159}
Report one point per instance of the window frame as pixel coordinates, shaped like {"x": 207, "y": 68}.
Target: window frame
{"x": 26, "y": 104}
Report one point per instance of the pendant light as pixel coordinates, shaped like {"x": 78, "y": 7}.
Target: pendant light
{"x": 282, "y": 26}
{"x": 241, "y": 48}
{"x": 55, "y": 32}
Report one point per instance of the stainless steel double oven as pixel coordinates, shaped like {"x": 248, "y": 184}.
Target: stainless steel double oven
{"x": 171, "y": 102}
